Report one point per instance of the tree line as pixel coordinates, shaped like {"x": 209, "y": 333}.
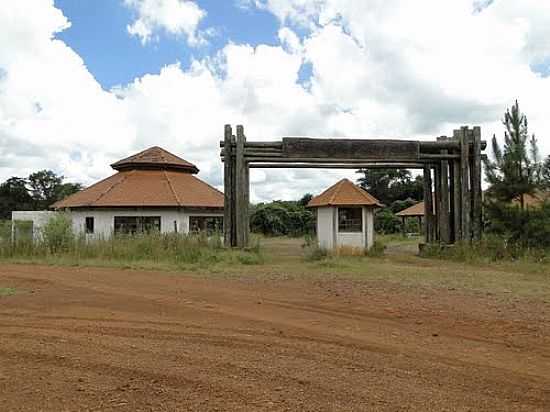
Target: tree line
{"x": 38, "y": 191}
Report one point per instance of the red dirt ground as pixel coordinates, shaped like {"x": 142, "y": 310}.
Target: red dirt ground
{"x": 103, "y": 339}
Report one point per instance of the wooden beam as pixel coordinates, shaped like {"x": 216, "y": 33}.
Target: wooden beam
{"x": 241, "y": 212}
{"x": 477, "y": 206}
{"x": 350, "y": 148}
{"x": 317, "y": 160}
{"x": 437, "y": 202}
{"x": 336, "y": 166}
{"x": 228, "y": 189}
{"x": 465, "y": 182}
{"x": 444, "y": 217}
{"x": 428, "y": 206}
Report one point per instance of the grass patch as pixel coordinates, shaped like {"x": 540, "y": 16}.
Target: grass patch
{"x": 7, "y": 291}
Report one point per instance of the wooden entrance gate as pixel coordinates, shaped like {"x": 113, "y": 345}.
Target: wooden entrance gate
{"x": 451, "y": 167}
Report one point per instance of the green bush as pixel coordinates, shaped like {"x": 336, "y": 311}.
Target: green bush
{"x": 529, "y": 228}
{"x": 57, "y": 233}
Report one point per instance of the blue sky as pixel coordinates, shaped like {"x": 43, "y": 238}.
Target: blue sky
{"x": 98, "y": 34}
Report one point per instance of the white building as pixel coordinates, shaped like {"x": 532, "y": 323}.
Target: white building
{"x": 152, "y": 190}
{"x": 345, "y": 216}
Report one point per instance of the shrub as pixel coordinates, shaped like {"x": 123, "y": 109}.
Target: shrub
{"x": 57, "y": 233}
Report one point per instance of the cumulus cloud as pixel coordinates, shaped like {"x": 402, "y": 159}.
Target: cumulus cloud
{"x": 176, "y": 17}
{"x": 378, "y": 68}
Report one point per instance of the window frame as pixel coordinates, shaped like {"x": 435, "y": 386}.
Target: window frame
{"x": 350, "y": 224}
{"x": 208, "y": 224}
{"x": 89, "y": 229}
{"x": 137, "y": 225}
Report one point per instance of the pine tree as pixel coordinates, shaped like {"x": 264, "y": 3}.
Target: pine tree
{"x": 516, "y": 169}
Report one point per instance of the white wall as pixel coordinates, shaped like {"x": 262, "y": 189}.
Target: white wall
{"x": 325, "y": 227}
{"x": 38, "y": 219}
{"x": 330, "y": 238}
{"x": 104, "y": 219}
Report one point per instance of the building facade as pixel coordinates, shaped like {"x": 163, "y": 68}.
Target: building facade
{"x": 153, "y": 190}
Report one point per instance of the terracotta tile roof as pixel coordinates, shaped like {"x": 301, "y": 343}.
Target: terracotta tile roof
{"x": 344, "y": 193}
{"x": 414, "y": 210}
{"x": 155, "y": 158}
{"x": 152, "y": 178}
{"x": 146, "y": 188}
{"x": 534, "y": 200}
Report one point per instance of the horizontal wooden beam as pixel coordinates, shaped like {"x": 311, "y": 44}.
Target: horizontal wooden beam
{"x": 337, "y": 166}
{"x": 316, "y": 160}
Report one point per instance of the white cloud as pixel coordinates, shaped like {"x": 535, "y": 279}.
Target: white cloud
{"x": 176, "y": 17}
{"x": 386, "y": 68}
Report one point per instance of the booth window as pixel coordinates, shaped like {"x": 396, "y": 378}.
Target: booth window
{"x": 350, "y": 219}
{"x": 89, "y": 225}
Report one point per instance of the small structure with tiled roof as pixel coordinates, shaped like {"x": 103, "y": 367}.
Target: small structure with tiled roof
{"x": 415, "y": 211}
{"x": 152, "y": 190}
{"x": 345, "y": 216}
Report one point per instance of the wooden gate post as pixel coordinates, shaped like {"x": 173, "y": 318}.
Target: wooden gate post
{"x": 465, "y": 182}
{"x": 428, "y": 205}
{"x": 241, "y": 192}
{"x": 228, "y": 185}
{"x": 477, "y": 200}
{"x": 444, "y": 218}
{"x": 457, "y": 193}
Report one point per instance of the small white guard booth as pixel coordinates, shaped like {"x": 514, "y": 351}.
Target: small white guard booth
{"x": 345, "y": 216}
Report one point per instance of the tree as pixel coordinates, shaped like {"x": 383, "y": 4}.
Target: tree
{"x": 389, "y": 185}
{"x": 14, "y": 196}
{"x": 545, "y": 174}
{"x": 67, "y": 189}
{"x": 305, "y": 199}
{"x": 516, "y": 169}
{"x": 46, "y": 188}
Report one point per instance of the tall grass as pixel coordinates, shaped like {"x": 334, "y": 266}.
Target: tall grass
{"x": 57, "y": 244}
{"x": 492, "y": 248}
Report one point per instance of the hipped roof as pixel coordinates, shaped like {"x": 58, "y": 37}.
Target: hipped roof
{"x": 344, "y": 193}
{"x": 414, "y": 210}
{"x": 149, "y": 179}
{"x": 155, "y": 158}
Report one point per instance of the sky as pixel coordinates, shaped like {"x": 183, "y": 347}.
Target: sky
{"x": 84, "y": 83}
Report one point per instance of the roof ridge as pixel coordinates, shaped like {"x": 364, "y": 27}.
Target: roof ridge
{"x": 172, "y": 188}
{"x": 337, "y": 191}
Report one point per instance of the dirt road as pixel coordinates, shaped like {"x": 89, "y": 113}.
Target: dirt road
{"x": 101, "y": 339}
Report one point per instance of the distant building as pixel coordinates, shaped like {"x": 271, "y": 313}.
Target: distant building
{"x": 345, "y": 216}
{"x": 153, "y": 190}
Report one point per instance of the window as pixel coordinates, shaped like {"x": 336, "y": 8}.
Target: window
{"x": 350, "y": 219}
{"x": 89, "y": 225}
{"x": 136, "y": 224}
{"x": 208, "y": 224}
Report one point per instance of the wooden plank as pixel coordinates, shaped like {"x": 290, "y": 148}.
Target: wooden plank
{"x": 457, "y": 194}
{"x": 241, "y": 207}
{"x": 228, "y": 189}
{"x": 336, "y": 166}
{"x": 351, "y": 149}
{"x": 465, "y": 183}
{"x": 477, "y": 201}
{"x": 428, "y": 205}
{"x": 444, "y": 217}
{"x": 437, "y": 202}
{"x": 327, "y": 160}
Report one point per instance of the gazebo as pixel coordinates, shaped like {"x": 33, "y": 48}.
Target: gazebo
{"x": 415, "y": 211}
